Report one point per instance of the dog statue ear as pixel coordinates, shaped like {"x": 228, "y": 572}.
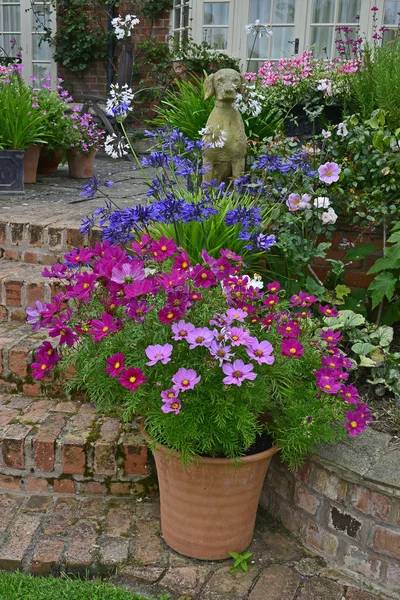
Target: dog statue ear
{"x": 244, "y": 84}
{"x": 209, "y": 89}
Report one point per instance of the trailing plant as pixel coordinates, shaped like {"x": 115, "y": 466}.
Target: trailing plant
{"x": 151, "y": 9}
{"x": 200, "y": 58}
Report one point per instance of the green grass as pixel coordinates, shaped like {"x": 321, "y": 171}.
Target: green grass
{"x": 16, "y": 586}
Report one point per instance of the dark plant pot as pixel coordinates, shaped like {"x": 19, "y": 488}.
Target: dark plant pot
{"x": 298, "y": 125}
{"x": 11, "y": 172}
{"x": 49, "y": 162}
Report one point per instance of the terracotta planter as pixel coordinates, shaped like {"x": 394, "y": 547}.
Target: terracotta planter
{"x": 31, "y": 160}
{"x": 81, "y": 164}
{"x": 49, "y": 161}
{"x": 209, "y": 509}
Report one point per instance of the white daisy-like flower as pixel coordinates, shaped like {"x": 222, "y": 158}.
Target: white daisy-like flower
{"x": 214, "y": 137}
{"x": 329, "y": 217}
{"x": 116, "y": 146}
{"x": 342, "y": 130}
{"x": 322, "y": 202}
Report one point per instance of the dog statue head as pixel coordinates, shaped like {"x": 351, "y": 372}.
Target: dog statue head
{"x": 225, "y": 84}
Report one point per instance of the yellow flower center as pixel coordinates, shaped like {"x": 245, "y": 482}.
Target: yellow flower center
{"x": 329, "y": 338}
{"x": 174, "y": 405}
{"x": 155, "y": 253}
{"x": 258, "y": 353}
{"x": 171, "y": 395}
{"x": 112, "y": 306}
{"x": 245, "y": 309}
{"x": 353, "y": 424}
{"x": 221, "y": 353}
{"x": 271, "y": 302}
{"x": 292, "y": 350}
{"x": 328, "y": 173}
{"x": 288, "y": 329}
{"x": 139, "y": 312}
{"x": 50, "y": 352}
{"x": 105, "y": 329}
{"x": 85, "y": 286}
{"x": 194, "y": 297}
{"x": 164, "y": 248}
{"x": 348, "y": 395}
{"x": 327, "y": 386}
{"x": 332, "y": 364}
{"x": 237, "y": 373}
{"x": 204, "y": 275}
{"x": 117, "y": 365}
{"x": 199, "y": 339}
{"x": 328, "y": 312}
{"x": 170, "y": 315}
{"x": 185, "y": 382}
{"x": 43, "y": 367}
{"x": 62, "y": 332}
{"x": 235, "y": 337}
{"x": 221, "y": 268}
{"x": 132, "y": 379}
{"x": 184, "y": 265}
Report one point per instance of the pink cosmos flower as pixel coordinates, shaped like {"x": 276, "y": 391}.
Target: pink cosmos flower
{"x": 237, "y": 314}
{"x": 169, "y": 395}
{"x": 168, "y": 314}
{"x": 42, "y": 366}
{"x": 78, "y": 255}
{"x": 181, "y": 261}
{"x": 158, "y": 353}
{"x": 238, "y": 336}
{"x": 331, "y": 337}
{"x": 101, "y": 328}
{"x": 179, "y": 299}
{"x": 172, "y": 406}
{"x": 67, "y": 335}
{"x": 237, "y": 372}
{"x": 50, "y": 351}
{"x": 329, "y": 172}
{"x": 356, "y": 423}
{"x": 181, "y": 330}
{"x": 115, "y": 364}
{"x": 222, "y": 268}
{"x": 328, "y": 311}
{"x": 137, "y": 309}
{"x": 261, "y": 352}
{"x": 128, "y": 273}
{"x": 267, "y": 322}
{"x": 333, "y": 362}
{"x": 294, "y": 202}
{"x": 349, "y": 393}
{"x": 140, "y": 288}
{"x": 131, "y": 378}
{"x": 271, "y": 301}
{"x": 85, "y": 283}
{"x": 171, "y": 280}
{"x": 329, "y": 385}
{"x": 289, "y": 329}
{"x": 203, "y": 277}
{"x": 230, "y": 255}
{"x": 163, "y": 249}
{"x": 273, "y": 287}
{"x": 185, "y": 379}
{"x": 291, "y": 347}
{"x": 35, "y": 315}
{"x": 141, "y": 248}
{"x": 220, "y": 352}
{"x": 200, "y": 336}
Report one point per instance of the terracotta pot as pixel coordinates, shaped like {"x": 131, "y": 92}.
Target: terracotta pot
{"x": 31, "y": 159}
{"x": 209, "y": 509}
{"x": 81, "y": 164}
{"x": 49, "y": 161}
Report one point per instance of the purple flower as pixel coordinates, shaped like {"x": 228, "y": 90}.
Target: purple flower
{"x": 172, "y": 406}
{"x": 236, "y": 314}
{"x": 128, "y": 273}
{"x": 158, "y": 353}
{"x": 181, "y": 330}
{"x": 329, "y": 385}
{"x": 67, "y": 336}
{"x": 101, "y": 329}
{"x": 261, "y": 352}
{"x": 238, "y": 336}
{"x": 115, "y": 364}
{"x": 200, "y": 336}
{"x": 185, "y": 379}
{"x": 329, "y": 172}
{"x": 291, "y": 347}
{"x": 331, "y": 337}
{"x": 237, "y": 372}
{"x": 349, "y": 393}
{"x": 34, "y": 314}
{"x": 356, "y": 421}
{"x": 220, "y": 352}
{"x": 169, "y": 395}
{"x": 41, "y": 366}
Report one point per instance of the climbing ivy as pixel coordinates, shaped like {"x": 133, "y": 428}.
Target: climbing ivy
{"x": 152, "y": 8}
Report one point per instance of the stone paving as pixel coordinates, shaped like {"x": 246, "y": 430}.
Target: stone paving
{"x": 120, "y": 537}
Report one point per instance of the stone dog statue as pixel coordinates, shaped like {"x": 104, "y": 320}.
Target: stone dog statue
{"x": 224, "y": 132}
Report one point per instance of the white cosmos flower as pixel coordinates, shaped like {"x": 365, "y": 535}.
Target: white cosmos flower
{"x": 342, "y": 130}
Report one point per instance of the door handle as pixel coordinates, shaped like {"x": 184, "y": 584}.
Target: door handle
{"x": 296, "y": 43}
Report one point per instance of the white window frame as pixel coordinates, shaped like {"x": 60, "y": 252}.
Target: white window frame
{"x": 198, "y": 26}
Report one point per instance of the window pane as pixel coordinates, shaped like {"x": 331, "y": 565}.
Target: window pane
{"x": 7, "y": 45}
{"x": 348, "y": 10}
{"x": 177, "y": 19}
{"x": 40, "y": 71}
{"x": 321, "y": 41}
{"x": 391, "y": 10}
{"x": 283, "y": 11}
{"x": 254, "y": 65}
{"x": 280, "y": 46}
{"x": 390, "y": 35}
{"x": 216, "y": 37}
{"x": 323, "y": 11}
{"x": 40, "y": 51}
{"x": 185, "y": 16}
{"x": 11, "y": 18}
{"x": 216, "y": 13}
{"x": 261, "y": 46}
{"x": 260, "y": 9}
{"x": 40, "y": 18}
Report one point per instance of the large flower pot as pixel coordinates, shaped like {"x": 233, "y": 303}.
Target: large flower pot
{"x": 11, "y": 172}
{"x": 49, "y": 161}
{"x": 209, "y": 509}
{"x": 31, "y": 160}
{"x": 81, "y": 164}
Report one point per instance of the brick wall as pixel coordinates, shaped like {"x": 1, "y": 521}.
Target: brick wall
{"x": 353, "y": 523}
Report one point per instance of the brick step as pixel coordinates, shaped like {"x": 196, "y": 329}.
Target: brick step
{"x": 20, "y": 286}
{"x": 53, "y": 446}
{"x": 41, "y": 242}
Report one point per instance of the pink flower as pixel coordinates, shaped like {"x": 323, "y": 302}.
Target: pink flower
{"x": 67, "y": 336}
{"x": 271, "y": 300}
{"x": 273, "y": 287}
{"x": 237, "y": 372}
{"x": 100, "y": 329}
{"x": 261, "y": 352}
{"x": 128, "y": 273}
{"x": 328, "y": 311}
{"x": 163, "y": 249}
{"x": 329, "y": 172}
{"x": 349, "y": 393}
{"x": 329, "y": 385}
{"x": 140, "y": 288}
{"x": 42, "y": 365}
{"x": 131, "y": 378}
{"x": 220, "y": 352}
{"x": 50, "y": 351}
{"x": 289, "y": 329}
{"x": 78, "y": 255}
{"x": 115, "y": 364}
{"x": 331, "y": 337}
{"x": 172, "y": 406}
{"x": 238, "y": 336}
{"x": 203, "y": 277}
{"x": 356, "y": 422}
{"x": 158, "y": 353}
{"x": 168, "y": 314}
{"x": 200, "y": 336}
{"x": 185, "y": 379}
{"x": 181, "y": 330}
{"x": 169, "y": 395}
{"x": 236, "y": 314}
{"x": 222, "y": 268}
{"x": 333, "y": 362}
{"x": 230, "y": 255}
{"x": 291, "y": 347}
{"x": 181, "y": 261}
{"x": 137, "y": 309}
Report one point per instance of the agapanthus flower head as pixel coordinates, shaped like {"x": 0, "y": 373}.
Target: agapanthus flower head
{"x": 329, "y": 172}
{"x": 115, "y": 364}
{"x": 237, "y": 372}
{"x": 132, "y": 378}
{"x": 292, "y": 347}
{"x": 185, "y": 379}
{"x": 158, "y": 353}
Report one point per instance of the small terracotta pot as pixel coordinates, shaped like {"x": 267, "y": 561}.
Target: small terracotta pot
{"x": 49, "y": 161}
{"x": 209, "y": 509}
{"x": 31, "y": 159}
{"x": 81, "y": 164}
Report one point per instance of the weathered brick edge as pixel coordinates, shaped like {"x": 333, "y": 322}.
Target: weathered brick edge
{"x": 65, "y": 448}
{"x": 352, "y": 523}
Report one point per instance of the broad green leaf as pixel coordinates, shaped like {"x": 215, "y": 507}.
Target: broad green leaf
{"x": 360, "y": 252}
{"x": 350, "y": 318}
{"x": 383, "y": 334}
{"x": 366, "y": 362}
{"x": 382, "y": 286}
{"x": 382, "y": 264}
{"x": 378, "y": 356}
{"x": 363, "y": 348}
{"x": 394, "y": 238}
{"x": 341, "y": 291}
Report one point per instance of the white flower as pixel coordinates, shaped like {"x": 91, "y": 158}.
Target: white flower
{"x": 325, "y": 85}
{"x": 116, "y": 146}
{"x": 326, "y": 134}
{"x": 256, "y": 282}
{"x": 322, "y": 202}
{"x": 258, "y": 28}
{"x": 342, "y": 130}
{"x": 250, "y": 104}
{"x": 213, "y": 137}
{"x": 329, "y": 217}
{"x": 123, "y": 26}
{"x": 305, "y": 202}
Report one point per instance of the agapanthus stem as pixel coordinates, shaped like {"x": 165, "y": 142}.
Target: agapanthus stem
{"x": 135, "y": 156}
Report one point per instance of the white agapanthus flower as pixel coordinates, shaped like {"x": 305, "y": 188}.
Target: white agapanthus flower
{"x": 322, "y": 202}
{"x": 116, "y": 146}
{"x": 258, "y": 28}
{"x": 214, "y": 137}
{"x": 342, "y": 130}
{"x": 119, "y": 103}
{"x": 329, "y": 217}
{"x": 250, "y": 104}
{"x": 123, "y": 26}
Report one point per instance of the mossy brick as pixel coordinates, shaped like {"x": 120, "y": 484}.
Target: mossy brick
{"x": 60, "y": 518}
{"x": 17, "y": 232}
{"x": 12, "y": 446}
{"x": 47, "y": 556}
{"x": 135, "y": 454}
{"x": 44, "y": 442}
{"x": 36, "y": 235}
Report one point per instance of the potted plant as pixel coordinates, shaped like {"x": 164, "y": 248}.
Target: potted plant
{"x": 201, "y": 353}
{"x": 21, "y": 130}
{"x": 85, "y": 139}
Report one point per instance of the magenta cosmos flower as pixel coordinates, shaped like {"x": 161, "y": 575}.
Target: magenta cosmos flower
{"x": 181, "y": 330}
{"x": 100, "y": 329}
{"x": 356, "y": 422}
{"x": 185, "y": 379}
{"x": 273, "y": 287}
{"x": 203, "y": 277}
{"x": 261, "y": 352}
{"x": 237, "y": 372}
{"x": 131, "y": 378}
{"x": 127, "y": 273}
{"x": 163, "y": 249}
{"x": 158, "y": 353}
{"x": 41, "y": 366}
{"x": 329, "y": 172}
{"x": 349, "y": 393}
{"x": 115, "y": 364}
{"x": 331, "y": 337}
{"x": 168, "y": 314}
{"x": 289, "y": 329}
{"x": 291, "y": 347}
